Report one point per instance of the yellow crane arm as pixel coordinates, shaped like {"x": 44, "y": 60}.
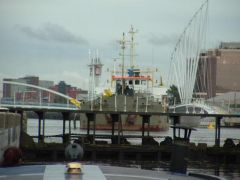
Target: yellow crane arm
{"x": 75, "y": 102}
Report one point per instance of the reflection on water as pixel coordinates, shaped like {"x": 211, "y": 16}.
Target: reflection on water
{"x": 230, "y": 172}
{"x": 202, "y": 135}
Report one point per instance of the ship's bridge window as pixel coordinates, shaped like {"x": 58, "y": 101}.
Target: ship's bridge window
{"x": 137, "y": 82}
{"x": 136, "y": 74}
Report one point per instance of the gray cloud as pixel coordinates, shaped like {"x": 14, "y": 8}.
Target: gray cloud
{"x": 52, "y": 32}
{"x": 161, "y": 39}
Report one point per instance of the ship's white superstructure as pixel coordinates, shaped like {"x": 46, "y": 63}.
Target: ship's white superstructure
{"x": 130, "y": 78}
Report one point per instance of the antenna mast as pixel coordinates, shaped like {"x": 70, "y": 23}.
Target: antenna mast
{"x": 122, "y": 44}
{"x": 132, "y": 46}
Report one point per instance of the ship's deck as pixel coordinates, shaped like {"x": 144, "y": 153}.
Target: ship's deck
{"x": 90, "y": 172}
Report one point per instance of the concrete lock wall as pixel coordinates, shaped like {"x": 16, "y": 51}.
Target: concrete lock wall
{"x": 12, "y": 120}
{"x": 2, "y": 120}
{"x": 9, "y": 131}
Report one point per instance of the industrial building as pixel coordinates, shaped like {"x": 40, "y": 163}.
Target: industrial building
{"x": 218, "y": 70}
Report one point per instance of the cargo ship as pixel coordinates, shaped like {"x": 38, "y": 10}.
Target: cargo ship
{"x": 131, "y": 89}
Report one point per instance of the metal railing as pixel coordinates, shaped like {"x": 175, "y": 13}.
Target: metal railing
{"x": 11, "y": 103}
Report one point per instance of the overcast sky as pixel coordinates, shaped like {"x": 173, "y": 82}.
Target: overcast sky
{"x": 51, "y": 38}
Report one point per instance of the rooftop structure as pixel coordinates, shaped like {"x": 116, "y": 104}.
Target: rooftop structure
{"x": 229, "y": 45}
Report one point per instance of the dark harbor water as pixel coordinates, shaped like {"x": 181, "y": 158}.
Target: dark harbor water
{"x": 201, "y": 135}
{"x": 230, "y": 171}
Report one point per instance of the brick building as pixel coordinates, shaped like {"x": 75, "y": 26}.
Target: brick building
{"x": 30, "y": 94}
{"x": 219, "y": 70}
{"x": 23, "y": 93}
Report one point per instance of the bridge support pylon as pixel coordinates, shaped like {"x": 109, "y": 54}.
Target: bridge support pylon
{"x": 217, "y": 130}
{"x": 65, "y": 137}
{"x": 91, "y": 117}
{"x": 116, "y": 118}
{"x": 41, "y": 129}
{"x": 145, "y": 120}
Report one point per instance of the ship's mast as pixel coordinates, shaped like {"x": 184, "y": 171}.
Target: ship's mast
{"x": 95, "y": 74}
{"x": 132, "y": 46}
{"x": 91, "y": 79}
{"x": 123, "y": 45}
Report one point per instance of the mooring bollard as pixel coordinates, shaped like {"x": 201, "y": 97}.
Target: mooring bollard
{"x": 74, "y": 152}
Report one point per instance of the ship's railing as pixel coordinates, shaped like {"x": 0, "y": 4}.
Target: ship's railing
{"x": 205, "y": 106}
{"x": 139, "y": 102}
{"x": 7, "y": 103}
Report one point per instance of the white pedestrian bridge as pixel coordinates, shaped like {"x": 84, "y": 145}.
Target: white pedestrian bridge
{"x": 71, "y": 104}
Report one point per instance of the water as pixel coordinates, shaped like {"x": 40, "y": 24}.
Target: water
{"x": 201, "y": 135}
